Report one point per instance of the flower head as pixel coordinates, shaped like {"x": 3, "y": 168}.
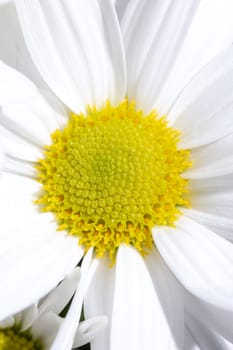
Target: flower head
{"x": 105, "y": 186}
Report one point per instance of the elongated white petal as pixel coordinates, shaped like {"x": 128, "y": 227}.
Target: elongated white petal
{"x": 212, "y": 160}
{"x": 15, "y": 166}
{"x": 88, "y": 330}
{"x": 212, "y": 203}
{"x": 204, "y": 336}
{"x": 61, "y": 295}
{"x": 203, "y": 111}
{"x": 15, "y": 146}
{"x": 216, "y": 222}
{"x": 153, "y": 32}
{"x": 207, "y": 36}
{"x": 171, "y": 303}
{"x": 13, "y": 51}
{"x": 213, "y": 195}
{"x": 24, "y": 112}
{"x": 99, "y": 300}
{"x": 66, "y": 335}
{"x": 30, "y": 269}
{"x": 77, "y": 48}
{"x": 201, "y": 260}
{"x": 139, "y": 310}
{"x": 27, "y": 317}
{"x": 46, "y": 328}
{"x": 211, "y": 185}
{"x": 218, "y": 319}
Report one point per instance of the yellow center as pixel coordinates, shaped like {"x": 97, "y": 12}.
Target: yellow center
{"x": 113, "y": 174}
{"x": 12, "y": 339}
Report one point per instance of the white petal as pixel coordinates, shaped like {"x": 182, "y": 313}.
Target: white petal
{"x": 213, "y": 184}
{"x": 88, "y": 330}
{"x": 218, "y": 319}
{"x": 201, "y": 260}
{"x": 15, "y": 146}
{"x": 203, "y": 111}
{"x": 218, "y": 223}
{"x": 16, "y": 205}
{"x": 13, "y": 51}
{"x": 139, "y": 310}
{"x": 213, "y": 195}
{"x": 189, "y": 342}
{"x": 207, "y": 36}
{"x": 66, "y": 335}
{"x": 18, "y": 186}
{"x": 28, "y": 316}
{"x": 32, "y": 268}
{"x": 77, "y": 48}
{"x": 99, "y": 300}
{"x": 46, "y": 328}
{"x": 24, "y": 111}
{"x": 212, "y": 203}
{"x": 121, "y": 7}
{"x": 153, "y": 32}
{"x": 204, "y": 337}
{"x": 212, "y": 160}
{"x": 219, "y": 204}
{"x": 12, "y": 237}
{"x": 15, "y": 166}
{"x": 61, "y": 295}
{"x": 87, "y": 262}
{"x": 171, "y": 304}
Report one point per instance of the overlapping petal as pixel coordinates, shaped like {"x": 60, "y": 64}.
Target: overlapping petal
{"x": 201, "y": 260}
{"x": 40, "y": 261}
{"x": 212, "y": 203}
{"x": 77, "y": 48}
{"x": 198, "y": 334}
{"x": 217, "y": 319}
{"x": 26, "y": 118}
{"x": 206, "y": 38}
{"x": 135, "y": 297}
{"x": 13, "y": 50}
{"x": 203, "y": 111}
{"x": 147, "y": 28}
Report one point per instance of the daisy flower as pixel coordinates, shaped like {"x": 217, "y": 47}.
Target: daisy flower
{"x": 38, "y": 326}
{"x": 118, "y": 150}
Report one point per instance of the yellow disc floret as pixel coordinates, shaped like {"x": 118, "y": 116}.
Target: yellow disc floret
{"x": 13, "y": 339}
{"x": 113, "y": 174}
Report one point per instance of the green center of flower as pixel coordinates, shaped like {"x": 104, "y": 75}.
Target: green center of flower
{"x": 12, "y": 339}
{"x": 112, "y": 175}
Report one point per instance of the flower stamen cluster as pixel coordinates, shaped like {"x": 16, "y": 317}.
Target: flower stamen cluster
{"x": 113, "y": 174}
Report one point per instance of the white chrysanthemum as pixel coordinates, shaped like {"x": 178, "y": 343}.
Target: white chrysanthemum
{"x": 38, "y": 327}
{"x": 152, "y": 58}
